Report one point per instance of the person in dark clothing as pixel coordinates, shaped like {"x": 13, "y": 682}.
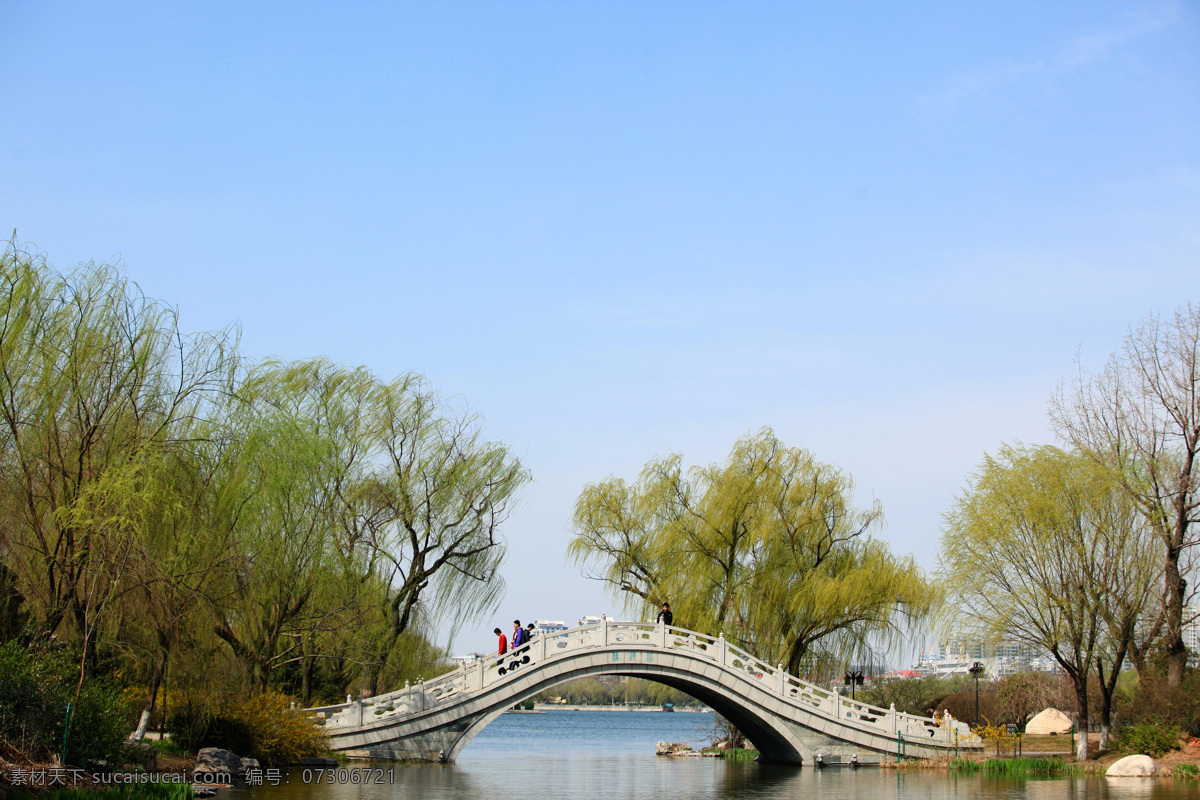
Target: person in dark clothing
{"x": 529, "y": 632}
{"x": 518, "y": 639}
{"x": 665, "y": 615}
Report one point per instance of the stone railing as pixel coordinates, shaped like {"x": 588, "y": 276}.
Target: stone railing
{"x": 488, "y": 672}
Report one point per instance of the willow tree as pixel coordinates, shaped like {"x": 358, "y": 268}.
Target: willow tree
{"x": 95, "y": 380}
{"x": 365, "y": 501}
{"x": 178, "y": 558}
{"x": 1139, "y": 418}
{"x": 767, "y": 548}
{"x": 1042, "y": 549}
{"x": 438, "y": 493}
{"x": 292, "y": 580}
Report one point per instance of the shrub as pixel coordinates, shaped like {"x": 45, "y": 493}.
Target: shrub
{"x": 1149, "y": 738}
{"x": 37, "y": 686}
{"x": 279, "y": 734}
{"x": 193, "y": 728}
{"x": 1154, "y": 701}
{"x": 98, "y": 725}
{"x": 264, "y": 726}
{"x": 998, "y": 737}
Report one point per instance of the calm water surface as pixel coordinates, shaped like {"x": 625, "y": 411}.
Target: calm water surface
{"x": 580, "y": 755}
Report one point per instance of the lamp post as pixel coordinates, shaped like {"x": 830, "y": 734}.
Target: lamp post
{"x": 853, "y": 678}
{"x": 976, "y": 670}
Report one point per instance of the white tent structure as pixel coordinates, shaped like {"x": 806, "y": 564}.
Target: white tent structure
{"x": 1049, "y": 721}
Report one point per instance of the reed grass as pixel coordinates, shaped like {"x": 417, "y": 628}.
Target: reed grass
{"x": 740, "y": 754}
{"x": 1012, "y": 766}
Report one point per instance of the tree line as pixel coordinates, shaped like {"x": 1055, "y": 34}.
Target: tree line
{"x": 174, "y": 511}
{"x": 1084, "y": 551}
{"x": 1081, "y": 551}
{"x": 168, "y": 504}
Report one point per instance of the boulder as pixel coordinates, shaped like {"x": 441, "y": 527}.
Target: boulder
{"x": 672, "y": 748}
{"x": 1050, "y": 721}
{"x": 142, "y": 753}
{"x": 1133, "y": 767}
{"x": 214, "y": 760}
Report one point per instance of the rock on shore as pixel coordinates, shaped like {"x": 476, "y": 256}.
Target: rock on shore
{"x": 215, "y": 761}
{"x": 1133, "y": 767}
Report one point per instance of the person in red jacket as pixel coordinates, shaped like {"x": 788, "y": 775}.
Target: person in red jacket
{"x": 503, "y": 646}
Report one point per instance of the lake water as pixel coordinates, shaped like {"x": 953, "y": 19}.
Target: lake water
{"x": 580, "y": 755}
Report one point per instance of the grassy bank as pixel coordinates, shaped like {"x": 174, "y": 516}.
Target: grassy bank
{"x": 178, "y": 791}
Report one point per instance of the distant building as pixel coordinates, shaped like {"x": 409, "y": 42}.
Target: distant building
{"x": 956, "y": 654}
{"x": 1191, "y": 633}
{"x": 468, "y": 659}
{"x": 549, "y": 625}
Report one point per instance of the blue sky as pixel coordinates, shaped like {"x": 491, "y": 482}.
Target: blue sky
{"x": 618, "y": 229}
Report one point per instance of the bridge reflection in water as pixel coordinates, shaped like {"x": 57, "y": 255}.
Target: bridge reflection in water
{"x": 790, "y": 721}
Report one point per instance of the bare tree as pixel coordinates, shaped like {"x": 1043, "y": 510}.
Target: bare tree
{"x": 1140, "y": 418}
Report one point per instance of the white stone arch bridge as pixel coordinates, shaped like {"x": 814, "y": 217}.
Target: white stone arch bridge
{"x": 790, "y": 721}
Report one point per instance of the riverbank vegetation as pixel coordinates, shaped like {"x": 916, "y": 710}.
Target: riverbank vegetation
{"x": 611, "y": 690}
{"x": 179, "y": 791}
{"x": 196, "y": 526}
{"x": 1081, "y": 553}
{"x": 1084, "y": 554}
{"x": 1011, "y": 766}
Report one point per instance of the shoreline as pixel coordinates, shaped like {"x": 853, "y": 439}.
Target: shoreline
{"x": 643, "y": 709}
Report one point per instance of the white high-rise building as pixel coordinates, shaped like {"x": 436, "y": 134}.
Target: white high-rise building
{"x": 1191, "y": 633}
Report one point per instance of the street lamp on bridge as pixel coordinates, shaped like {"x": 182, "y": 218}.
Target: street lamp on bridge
{"x": 853, "y": 678}
{"x": 976, "y": 670}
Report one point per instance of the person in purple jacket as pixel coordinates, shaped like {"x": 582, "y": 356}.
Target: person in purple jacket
{"x": 519, "y": 638}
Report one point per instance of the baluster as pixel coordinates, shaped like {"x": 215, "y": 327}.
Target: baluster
{"x": 662, "y": 634}
{"x": 478, "y": 674}
{"x": 603, "y": 630}
{"x": 781, "y": 679}
{"x": 721, "y": 651}
{"x": 893, "y": 722}
{"x": 542, "y": 647}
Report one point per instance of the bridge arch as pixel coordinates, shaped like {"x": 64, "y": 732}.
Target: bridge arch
{"x": 789, "y": 720}
{"x": 775, "y": 740}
